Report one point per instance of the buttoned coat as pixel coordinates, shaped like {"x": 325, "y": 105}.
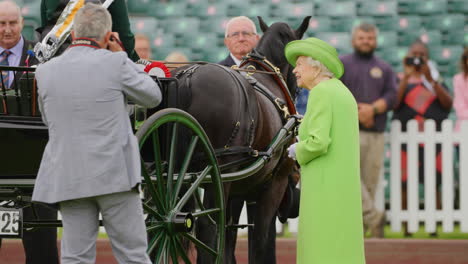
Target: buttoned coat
{"x": 330, "y": 214}
{"x": 91, "y": 150}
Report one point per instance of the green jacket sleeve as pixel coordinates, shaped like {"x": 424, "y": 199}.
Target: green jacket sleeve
{"x": 315, "y": 136}
{"x": 120, "y": 22}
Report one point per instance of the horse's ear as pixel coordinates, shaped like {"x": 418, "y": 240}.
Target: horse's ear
{"x": 263, "y": 25}
{"x": 303, "y": 27}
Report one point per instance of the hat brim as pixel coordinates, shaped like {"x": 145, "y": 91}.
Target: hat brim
{"x": 297, "y": 48}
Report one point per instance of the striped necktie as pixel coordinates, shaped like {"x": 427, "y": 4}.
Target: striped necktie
{"x": 4, "y": 62}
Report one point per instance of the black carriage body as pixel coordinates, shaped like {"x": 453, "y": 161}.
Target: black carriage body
{"x": 23, "y": 135}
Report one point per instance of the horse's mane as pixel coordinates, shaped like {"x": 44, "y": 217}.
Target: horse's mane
{"x": 272, "y": 45}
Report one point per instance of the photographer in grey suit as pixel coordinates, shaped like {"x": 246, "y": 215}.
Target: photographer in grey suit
{"x": 91, "y": 163}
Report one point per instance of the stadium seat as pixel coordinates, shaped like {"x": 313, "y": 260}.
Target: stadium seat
{"x": 401, "y": 24}
{"x": 254, "y": 10}
{"x": 161, "y": 53}
{"x": 181, "y": 25}
{"x": 445, "y": 22}
{"x": 215, "y": 25}
{"x": 145, "y": 25}
{"x": 455, "y": 37}
{"x": 392, "y": 55}
{"x": 170, "y": 9}
{"x": 32, "y": 11}
{"x": 338, "y": 40}
{"x": 387, "y": 39}
{"x": 336, "y": 9}
{"x": 316, "y": 24}
{"x": 458, "y": 6}
{"x": 445, "y": 54}
{"x": 29, "y": 30}
{"x": 207, "y": 10}
{"x": 163, "y": 40}
{"x": 293, "y": 10}
{"x": 139, "y": 6}
{"x": 198, "y": 41}
{"x": 346, "y": 24}
{"x": 427, "y": 7}
{"x": 237, "y": 8}
{"x": 428, "y": 37}
{"x": 372, "y": 8}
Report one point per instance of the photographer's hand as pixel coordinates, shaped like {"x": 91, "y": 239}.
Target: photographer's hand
{"x": 426, "y": 71}
{"x": 114, "y": 43}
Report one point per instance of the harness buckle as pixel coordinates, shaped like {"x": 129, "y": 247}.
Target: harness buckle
{"x": 284, "y": 108}
{"x": 250, "y": 70}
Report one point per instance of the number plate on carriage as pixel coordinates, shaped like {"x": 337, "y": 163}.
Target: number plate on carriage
{"x": 11, "y": 224}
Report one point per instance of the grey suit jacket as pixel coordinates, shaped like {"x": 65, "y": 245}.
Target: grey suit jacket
{"x": 91, "y": 149}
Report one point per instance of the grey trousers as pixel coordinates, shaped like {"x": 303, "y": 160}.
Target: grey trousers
{"x": 122, "y": 215}
{"x": 372, "y": 153}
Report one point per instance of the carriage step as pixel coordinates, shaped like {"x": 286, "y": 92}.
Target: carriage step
{"x": 240, "y": 226}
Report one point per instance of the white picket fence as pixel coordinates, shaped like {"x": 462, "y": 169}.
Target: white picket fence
{"x": 448, "y": 215}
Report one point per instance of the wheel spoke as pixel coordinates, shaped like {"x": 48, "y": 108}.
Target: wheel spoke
{"x": 206, "y": 212}
{"x": 181, "y": 250}
{"x": 155, "y": 226}
{"x": 158, "y": 166}
{"x": 153, "y": 212}
{"x": 170, "y": 169}
{"x": 173, "y": 250}
{"x": 193, "y": 188}
{"x": 152, "y": 244}
{"x": 161, "y": 250}
{"x": 151, "y": 189}
{"x": 184, "y": 167}
{"x": 200, "y": 244}
{"x": 202, "y": 207}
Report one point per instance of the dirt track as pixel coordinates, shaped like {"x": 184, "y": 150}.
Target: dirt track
{"x": 378, "y": 251}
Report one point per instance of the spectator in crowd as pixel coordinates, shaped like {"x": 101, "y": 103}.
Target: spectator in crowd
{"x": 240, "y": 38}
{"x": 143, "y": 46}
{"x": 460, "y": 86}
{"x": 176, "y": 56}
{"x": 421, "y": 96}
{"x": 373, "y": 84}
{"x": 330, "y": 214}
{"x": 100, "y": 172}
{"x": 51, "y": 10}
{"x": 40, "y": 245}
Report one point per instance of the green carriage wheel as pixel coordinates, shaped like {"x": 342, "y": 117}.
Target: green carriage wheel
{"x": 176, "y": 177}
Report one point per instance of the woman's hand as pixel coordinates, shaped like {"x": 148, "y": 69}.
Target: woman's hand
{"x": 292, "y": 151}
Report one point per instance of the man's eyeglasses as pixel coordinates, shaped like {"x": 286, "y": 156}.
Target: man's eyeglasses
{"x": 237, "y": 34}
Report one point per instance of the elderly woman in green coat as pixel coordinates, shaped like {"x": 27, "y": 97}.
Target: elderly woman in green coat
{"x": 330, "y": 214}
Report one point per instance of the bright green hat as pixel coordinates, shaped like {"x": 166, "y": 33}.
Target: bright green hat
{"x": 318, "y": 50}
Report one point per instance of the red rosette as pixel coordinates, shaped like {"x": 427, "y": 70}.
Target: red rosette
{"x": 157, "y": 68}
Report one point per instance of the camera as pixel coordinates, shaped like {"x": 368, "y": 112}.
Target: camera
{"x": 414, "y": 61}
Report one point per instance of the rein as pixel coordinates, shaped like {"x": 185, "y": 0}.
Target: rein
{"x": 268, "y": 68}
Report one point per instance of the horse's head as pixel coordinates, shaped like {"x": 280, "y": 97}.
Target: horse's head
{"x": 273, "y": 41}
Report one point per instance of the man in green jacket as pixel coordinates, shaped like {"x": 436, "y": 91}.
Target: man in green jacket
{"x": 51, "y": 10}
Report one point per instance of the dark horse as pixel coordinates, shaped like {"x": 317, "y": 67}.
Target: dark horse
{"x": 236, "y": 117}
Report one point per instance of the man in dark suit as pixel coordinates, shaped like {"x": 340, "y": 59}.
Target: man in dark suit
{"x": 40, "y": 245}
{"x": 240, "y": 38}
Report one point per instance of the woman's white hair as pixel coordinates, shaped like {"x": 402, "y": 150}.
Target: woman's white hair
{"x": 324, "y": 71}
{"x": 92, "y": 21}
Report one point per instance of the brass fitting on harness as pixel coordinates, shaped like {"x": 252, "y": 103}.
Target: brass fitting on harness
{"x": 251, "y": 70}
{"x": 283, "y": 107}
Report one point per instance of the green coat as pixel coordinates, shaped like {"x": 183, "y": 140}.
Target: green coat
{"x": 330, "y": 214}
{"x": 120, "y": 22}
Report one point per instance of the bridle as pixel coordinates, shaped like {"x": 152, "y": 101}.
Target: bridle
{"x": 267, "y": 68}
